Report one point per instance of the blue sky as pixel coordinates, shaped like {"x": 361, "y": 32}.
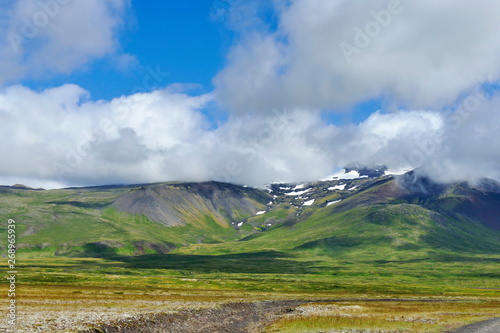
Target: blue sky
{"x": 178, "y": 37}
{"x": 184, "y": 42}
{"x": 246, "y": 91}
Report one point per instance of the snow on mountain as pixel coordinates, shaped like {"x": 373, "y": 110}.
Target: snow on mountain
{"x": 397, "y": 172}
{"x": 349, "y": 173}
{"x": 309, "y": 203}
{"x": 342, "y": 174}
{"x": 297, "y": 193}
{"x": 337, "y": 187}
{"x": 356, "y": 170}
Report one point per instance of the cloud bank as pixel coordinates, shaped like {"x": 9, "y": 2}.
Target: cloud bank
{"x": 332, "y": 54}
{"x": 434, "y": 65}
{"x": 164, "y": 135}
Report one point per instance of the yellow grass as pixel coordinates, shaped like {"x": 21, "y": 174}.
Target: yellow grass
{"x": 414, "y": 316}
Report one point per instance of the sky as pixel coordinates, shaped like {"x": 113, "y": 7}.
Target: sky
{"x": 126, "y": 91}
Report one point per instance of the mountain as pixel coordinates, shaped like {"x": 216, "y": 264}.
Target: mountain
{"x": 357, "y": 212}
{"x": 22, "y": 187}
{"x": 390, "y": 217}
{"x": 178, "y": 204}
{"x": 126, "y": 220}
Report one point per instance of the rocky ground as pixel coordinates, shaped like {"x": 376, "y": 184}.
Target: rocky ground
{"x": 73, "y": 316}
{"x": 192, "y": 317}
{"x": 249, "y": 317}
{"x": 488, "y": 326}
{"x": 241, "y": 317}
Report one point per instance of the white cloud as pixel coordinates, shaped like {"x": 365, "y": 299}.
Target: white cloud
{"x": 57, "y": 36}
{"x": 423, "y": 55}
{"x": 58, "y": 135}
{"x": 469, "y": 150}
{"x": 429, "y": 55}
{"x": 151, "y": 137}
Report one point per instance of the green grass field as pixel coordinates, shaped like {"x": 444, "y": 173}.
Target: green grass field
{"x": 464, "y": 290}
{"x": 76, "y": 249}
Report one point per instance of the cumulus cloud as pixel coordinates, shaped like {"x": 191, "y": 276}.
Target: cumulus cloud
{"x": 67, "y": 137}
{"x": 469, "y": 148}
{"x": 332, "y": 54}
{"x": 56, "y": 36}
{"x": 429, "y": 63}
{"x": 164, "y": 135}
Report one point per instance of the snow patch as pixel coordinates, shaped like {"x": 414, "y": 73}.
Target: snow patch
{"x": 240, "y": 224}
{"x": 337, "y": 187}
{"x": 353, "y": 188}
{"x": 298, "y": 192}
{"x": 397, "y": 172}
{"x": 342, "y": 174}
{"x": 299, "y": 187}
{"x": 333, "y": 202}
{"x": 261, "y": 212}
{"x": 309, "y": 203}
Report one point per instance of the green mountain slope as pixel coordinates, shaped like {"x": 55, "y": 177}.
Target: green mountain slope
{"x": 125, "y": 220}
{"x": 380, "y": 218}
{"x": 178, "y": 204}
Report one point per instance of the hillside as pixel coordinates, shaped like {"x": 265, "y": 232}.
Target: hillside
{"x": 179, "y": 204}
{"x": 385, "y": 217}
{"x": 350, "y": 215}
{"x": 125, "y": 220}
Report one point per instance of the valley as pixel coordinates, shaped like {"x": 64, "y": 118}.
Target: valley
{"x": 168, "y": 249}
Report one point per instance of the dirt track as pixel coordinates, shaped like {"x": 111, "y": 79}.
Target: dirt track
{"x": 488, "y": 326}
{"x": 244, "y": 317}
{"x": 233, "y": 317}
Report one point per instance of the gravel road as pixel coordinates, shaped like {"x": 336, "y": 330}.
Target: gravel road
{"x": 232, "y": 318}
{"x": 244, "y": 317}
{"x": 488, "y": 326}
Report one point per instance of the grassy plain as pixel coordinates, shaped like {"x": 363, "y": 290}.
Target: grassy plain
{"x": 366, "y": 263}
{"x": 456, "y": 291}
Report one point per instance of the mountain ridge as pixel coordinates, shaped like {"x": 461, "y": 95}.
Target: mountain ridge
{"x": 181, "y": 217}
